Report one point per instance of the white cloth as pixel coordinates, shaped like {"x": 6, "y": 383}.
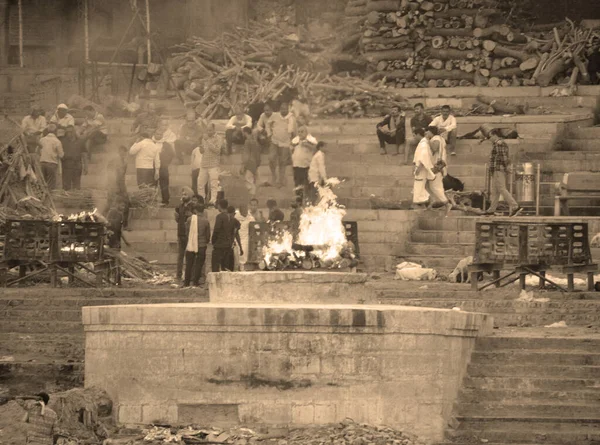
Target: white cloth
{"x": 192, "y": 245}
{"x": 444, "y": 125}
{"x": 196, "y": 162}
{"x": 169, "y": 137}
{"x": 442, "y": 154}
{"x": 96, "y": 123}
{"x": 317, "y": 171}
{"x": 234, "y": 122}
{"x": 244, "y": 233}
{"x": 408, "y": 271}
{"x": 303, "y": 151}
{"x": 29, "y": 125}
{"x": 147, "y": 154}
{"x": 64, "y": 122}
{"x": 206, "y": 175}
{"x": 283, "y": 127}
{"x": 51, "y": 149}
{"x": 436, "y": 188}
{"x": 423, "y": 161}
{"x": 420, "y": 193}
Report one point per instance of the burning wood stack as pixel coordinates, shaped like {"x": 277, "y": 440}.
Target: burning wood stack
{"x": 449, "y": 43}
{"x": 321, "y": 241}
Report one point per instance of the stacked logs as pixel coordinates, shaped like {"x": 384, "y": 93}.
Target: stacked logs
{"x": 448, "y": 43}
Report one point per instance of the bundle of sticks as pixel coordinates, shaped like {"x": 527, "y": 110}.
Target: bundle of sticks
{"x": 462, "y": 43}
{"x": 138, "y": 269}
{"x": 256, "y": 65}
{"x": 145, "y": 198}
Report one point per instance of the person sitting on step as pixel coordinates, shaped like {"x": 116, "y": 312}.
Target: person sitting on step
{"x": 392, "y": 130}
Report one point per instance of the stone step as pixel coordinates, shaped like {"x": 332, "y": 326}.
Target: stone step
{"x": 451, "y": 224}
{"x": 541, "y": 357}
{"x": 442, "y": 237}
{"x": 579, "y": 144}
{"x": 42, "y": 345}
{"x": 583, "y": 345}
{"x": 471, "y": 395}
{"x": 21, "y": 325}
{"x": 17, "y": 378}
{"x": 585, "y": 133}
{"x": 584, "y": 372}
{"x": 531, "y": 383}
{"x": 457, "y": 251}
{"x": 530, "y": 431}
{"x": 443, "y": 264}
{"x": 517, "y": 410}
{"x": 579, "y": 155}
{"x": 510, "y": 312}
{"x": 28, "y": 315}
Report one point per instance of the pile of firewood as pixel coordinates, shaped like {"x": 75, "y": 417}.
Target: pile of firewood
{"x": 257, "y": 64}
{"x": 451, "y": 43}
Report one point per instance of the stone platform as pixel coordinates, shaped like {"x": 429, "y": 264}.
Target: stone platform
{"x": 297, "y": 287}
{"x": 281, "y": 364}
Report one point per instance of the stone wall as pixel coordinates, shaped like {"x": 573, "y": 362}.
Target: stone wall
{"x": 221, "y": 364}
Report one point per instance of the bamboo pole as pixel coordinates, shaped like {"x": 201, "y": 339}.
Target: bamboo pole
{"x": 20, "y": 5}
{"x": 86, "y": 30}
{"x": 148, "y": 40}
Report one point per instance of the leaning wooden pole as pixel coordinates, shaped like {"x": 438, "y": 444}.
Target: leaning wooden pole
{"x": 20, "y": 6}
{"x": 86, "y": 30}
{"x": 148, "y": 40}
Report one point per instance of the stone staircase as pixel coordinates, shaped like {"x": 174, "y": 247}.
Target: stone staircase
{"x": 41, "y": 335}
{"x": 352, "y": 154}
{"x": 441, "y": 243}
{"x": 579, "y": 150}
{"x": 530, "y": 388}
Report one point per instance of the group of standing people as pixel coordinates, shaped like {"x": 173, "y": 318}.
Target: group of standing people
{"x": 229, "y": 236}
{"x": 61, "y": 145}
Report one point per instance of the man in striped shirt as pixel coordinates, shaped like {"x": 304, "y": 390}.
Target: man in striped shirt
{"x": 499, "y": 166}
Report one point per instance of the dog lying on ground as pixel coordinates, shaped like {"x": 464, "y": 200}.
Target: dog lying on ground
{"x": 460, "y": 274}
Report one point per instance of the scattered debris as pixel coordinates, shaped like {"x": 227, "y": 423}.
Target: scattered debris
{"x": 559, "y": 324}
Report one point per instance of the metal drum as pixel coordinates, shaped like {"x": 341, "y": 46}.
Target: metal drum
{"x": 525, "y": 182}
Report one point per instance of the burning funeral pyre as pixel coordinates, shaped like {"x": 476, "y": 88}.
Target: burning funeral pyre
{"x": 320, "y": 241}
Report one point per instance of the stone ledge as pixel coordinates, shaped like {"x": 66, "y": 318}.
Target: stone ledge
{"x": 223, "y": 317}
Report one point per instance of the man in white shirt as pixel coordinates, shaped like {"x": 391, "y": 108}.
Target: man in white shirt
{"x": 317, "y": 173}
{"x": 446, "y": 125}
{"x": 196, "y": 163}
{"x": 62, "y": 119}
{"x": 33, "y": 126}
{"x": 147, "y": 160}
{"x": 94, "y": 128}
{"x": 233, "y": 129}
{"x": 283, "y": 130}
{"x": 51, "y": 152}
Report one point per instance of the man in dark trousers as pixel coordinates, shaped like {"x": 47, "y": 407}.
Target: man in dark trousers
{"x": 182, "y": 213}
{"x": 167, "y": 154}
{"x": 236, "y": 238}
{"x": 198, "y": 229}
{"x": 74, "y": 161}
{"x": 222, "y": 237}
{"x": 392, "y": 130}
